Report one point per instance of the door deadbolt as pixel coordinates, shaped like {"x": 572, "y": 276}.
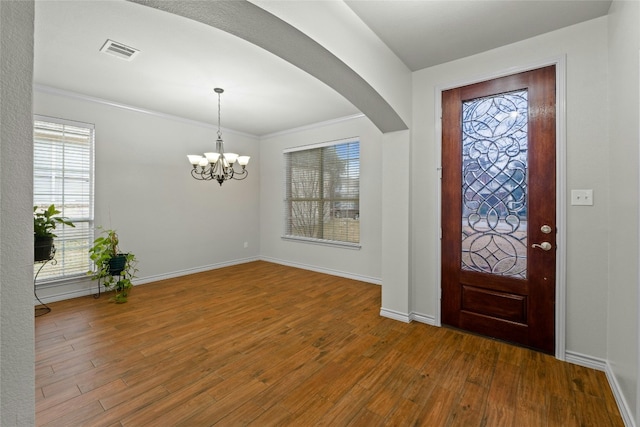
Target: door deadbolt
{"x": 546, "y": 229}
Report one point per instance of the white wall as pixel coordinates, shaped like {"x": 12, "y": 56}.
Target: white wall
{"x": 363, "y": 264}
{"x": 17, "y": 399}
{"x": 396, "y": 226}
{"x": 624, "y": 94}
{"x": 174, "y": 224}
{"x": 586, "y": 129}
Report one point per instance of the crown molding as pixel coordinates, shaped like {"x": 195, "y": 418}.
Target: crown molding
{"x": 80, "y": 96}
{"x": 313, "y": 126}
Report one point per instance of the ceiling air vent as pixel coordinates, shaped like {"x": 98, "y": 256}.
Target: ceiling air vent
{"x": 119, "y": 50}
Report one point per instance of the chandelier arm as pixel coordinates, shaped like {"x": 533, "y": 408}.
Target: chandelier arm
{"x": 213, "y": 174}
{"x": 195, "y": 173}
{"x": 242, "y": 175}
{"x": 217, "y": 171}
{"x": 207, "y": 173}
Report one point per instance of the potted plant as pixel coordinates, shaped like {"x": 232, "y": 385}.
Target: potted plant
{"x": 111, "y": 262}
{"x": 44, "y": 222}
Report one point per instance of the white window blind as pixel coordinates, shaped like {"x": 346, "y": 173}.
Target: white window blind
{"x": 322, "y": 192}
{"x": 63, "y": 176}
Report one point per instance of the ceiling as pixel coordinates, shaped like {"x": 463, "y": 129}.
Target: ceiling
{"x": 427, "y": 33}
{"x": 181, "y": 61}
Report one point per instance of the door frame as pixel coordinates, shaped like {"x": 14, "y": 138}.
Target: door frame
{"x": 561, "y": 179}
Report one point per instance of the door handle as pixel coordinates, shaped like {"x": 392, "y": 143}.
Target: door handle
{"x": 545, "y": 246}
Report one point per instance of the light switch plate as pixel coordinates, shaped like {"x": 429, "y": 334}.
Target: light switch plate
{"x": 582, "y": 197}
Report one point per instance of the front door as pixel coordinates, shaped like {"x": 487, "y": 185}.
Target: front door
{"x": 499, "y": 208}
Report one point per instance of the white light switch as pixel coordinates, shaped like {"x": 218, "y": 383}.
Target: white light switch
{"x": 582, "y": 197}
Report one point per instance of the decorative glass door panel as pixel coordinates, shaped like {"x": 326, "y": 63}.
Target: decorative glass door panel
{"x": 494, "y": 184}
{"x": 498, "y": 206}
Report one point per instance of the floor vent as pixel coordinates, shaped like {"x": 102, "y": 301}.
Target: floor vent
{"x": 119, "y": 50}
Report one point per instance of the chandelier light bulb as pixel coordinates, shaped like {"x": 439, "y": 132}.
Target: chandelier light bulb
{"x": 212, "y": 157}
{"x": 194, "y": 159}
{"x": 231, "y": 157}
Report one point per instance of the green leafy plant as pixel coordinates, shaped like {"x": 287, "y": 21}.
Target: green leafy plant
{"x": 111, "y": 262}
{"x": 45, "y": 222}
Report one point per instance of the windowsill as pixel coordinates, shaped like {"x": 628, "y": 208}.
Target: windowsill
{"x": 334, "y": 243}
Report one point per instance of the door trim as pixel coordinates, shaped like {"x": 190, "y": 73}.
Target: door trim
{"x": 561, "y": 179}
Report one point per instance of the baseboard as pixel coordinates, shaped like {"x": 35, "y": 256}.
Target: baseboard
{"x": 603, "y": 365}
{"x": 423, "y": 318}
{"x": 76, "y": 293}
{"x": 329, "y": 271}
{"x": 625, "y": 411}
{"x": 82, "y": 289}
{"x": 408, "y": 318}
{"x": 586, "y": 361}
{"x": 395, "y": 315}
{"x": 186, "y": 272}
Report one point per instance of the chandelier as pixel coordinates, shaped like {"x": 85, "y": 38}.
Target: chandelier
{"x": 218, "y": 165}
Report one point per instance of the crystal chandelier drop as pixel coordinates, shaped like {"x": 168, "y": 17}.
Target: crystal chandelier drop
{"x": 218, "y": 165}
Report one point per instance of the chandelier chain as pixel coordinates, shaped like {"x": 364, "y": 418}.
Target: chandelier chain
{"x": 219, "y": 131}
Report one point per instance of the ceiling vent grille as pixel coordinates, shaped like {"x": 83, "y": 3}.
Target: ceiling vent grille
{"x": 119, "y": 50}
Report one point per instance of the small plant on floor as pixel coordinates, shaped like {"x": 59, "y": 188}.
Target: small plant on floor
{"x": 111, "y": 262}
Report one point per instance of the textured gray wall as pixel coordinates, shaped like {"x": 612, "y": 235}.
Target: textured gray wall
{"x": 17, "y": 402}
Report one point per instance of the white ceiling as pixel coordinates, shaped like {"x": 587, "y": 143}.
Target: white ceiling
{"x": 427, "y": 33}
{"x": 181, "y": 60}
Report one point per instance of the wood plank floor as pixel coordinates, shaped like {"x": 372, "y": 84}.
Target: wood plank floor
{"x": 262, "y": 344}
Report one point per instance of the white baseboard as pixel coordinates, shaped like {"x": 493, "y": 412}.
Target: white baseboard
{"x": 408, "y": 318}
{"x": 329, "y": 271}
{"x": 395, "y": 315}
{"x": 80, "y": 287}
{"x": 186, "y": 272}
{"x": 423, "y": 318}
{"x": 625, "y": 411}
{"x": 586, "y": 361}
{"x": 61, "y": 296}
{"x": 603, "y": 365}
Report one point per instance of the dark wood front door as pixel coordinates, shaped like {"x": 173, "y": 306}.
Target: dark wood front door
{"x": 499, "y": 208}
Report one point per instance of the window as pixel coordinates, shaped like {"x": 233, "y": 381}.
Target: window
{"x": 63, "y": 176}
{"x": 322, "y": 187}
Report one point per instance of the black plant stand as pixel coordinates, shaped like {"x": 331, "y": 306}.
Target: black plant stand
{"x": 116, "y": 266}
{"x": 43, "y": 308}
{"x": 96, "y": 296}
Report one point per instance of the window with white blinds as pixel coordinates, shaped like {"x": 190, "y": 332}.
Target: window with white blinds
{"x": 63, "y": 176}
{"x": 322, "y": 193}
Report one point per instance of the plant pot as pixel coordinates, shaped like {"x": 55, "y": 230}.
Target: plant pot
{"x": 117, "y": 264}
{"x": 43, "y": 249}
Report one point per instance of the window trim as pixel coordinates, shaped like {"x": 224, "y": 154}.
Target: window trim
{"x": 311, "y": 240}
{"x": 90, "y": 219}
{"x": 322, "y": 242}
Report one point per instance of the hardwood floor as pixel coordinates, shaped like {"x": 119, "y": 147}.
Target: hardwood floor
{"x": 263, "y": 344}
